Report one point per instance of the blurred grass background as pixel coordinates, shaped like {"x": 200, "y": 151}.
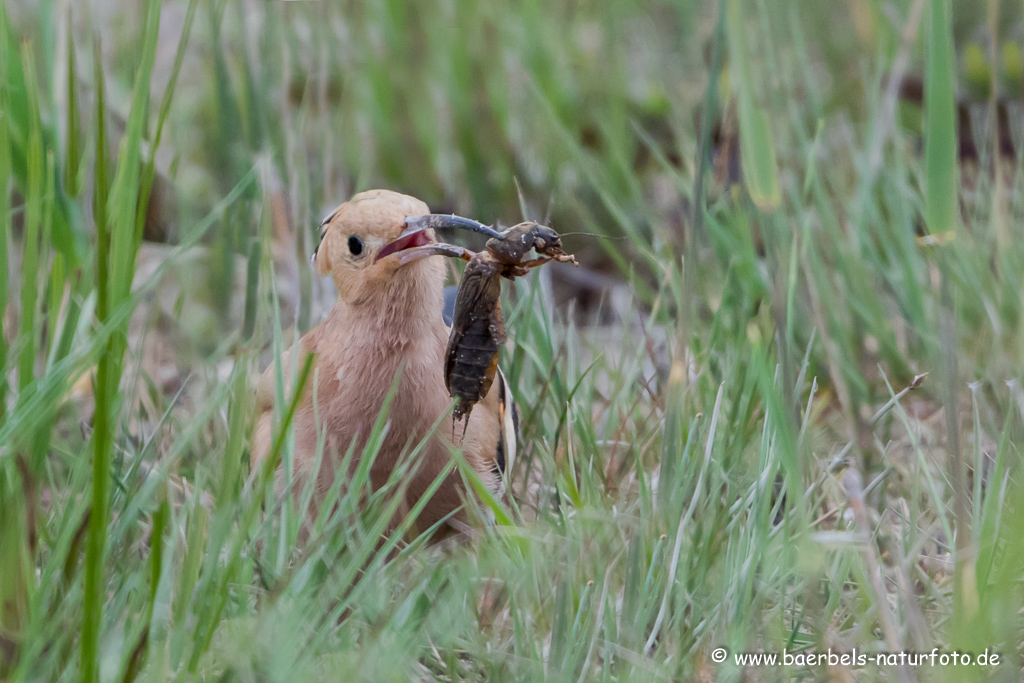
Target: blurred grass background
{"x": 778, "y": 406}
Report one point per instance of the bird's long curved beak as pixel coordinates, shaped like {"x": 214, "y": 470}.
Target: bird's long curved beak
{"x": 414, "y": 243}
{"x": 443, "y": 220}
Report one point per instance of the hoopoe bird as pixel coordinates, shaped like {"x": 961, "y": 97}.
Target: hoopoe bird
{"x": 386, "y": 326}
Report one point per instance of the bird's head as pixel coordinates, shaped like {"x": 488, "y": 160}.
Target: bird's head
{"x": 354, "y": 235}
{"x": 372, "y": 241}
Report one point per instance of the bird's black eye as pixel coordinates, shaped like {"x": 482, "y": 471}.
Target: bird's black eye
{"x": 355, "y": 245}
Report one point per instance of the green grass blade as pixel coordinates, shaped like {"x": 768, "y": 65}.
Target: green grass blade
{"x": 72, "y": 159}
{"x": 757, "y": 149}
{"x": 941, "y": 193}
{"x": 34, "y": 199}
{"x": 149, "y": 171}
{"x": 101, "y": 436}
{"x": 5, "y": 207}
{"x": 122, "y": 205}
{"x": 113, "y": 286}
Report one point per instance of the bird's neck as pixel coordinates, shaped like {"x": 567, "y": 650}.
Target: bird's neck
{"x": 403, "y": 311}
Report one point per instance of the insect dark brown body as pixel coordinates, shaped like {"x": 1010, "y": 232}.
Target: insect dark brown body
{"x": 478, "y": 330}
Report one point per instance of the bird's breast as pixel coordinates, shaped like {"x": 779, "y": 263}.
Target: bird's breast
{"x": 358, "y": 379}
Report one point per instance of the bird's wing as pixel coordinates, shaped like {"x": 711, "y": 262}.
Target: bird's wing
{"x": 508, "y": 434}
{"x": 490, "y": 443}
{"x": 448, "y": 309}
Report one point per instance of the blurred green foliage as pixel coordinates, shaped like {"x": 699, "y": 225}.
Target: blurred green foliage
{"x": 801, "y": 426}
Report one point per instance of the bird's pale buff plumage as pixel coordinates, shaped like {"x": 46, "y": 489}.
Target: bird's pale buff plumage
{"x": 387, "y": 320}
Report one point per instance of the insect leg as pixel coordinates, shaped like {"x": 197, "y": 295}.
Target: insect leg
{"x": 533, "y": 263}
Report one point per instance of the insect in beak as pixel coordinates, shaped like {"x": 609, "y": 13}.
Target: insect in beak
{"x": 414, "y": 243}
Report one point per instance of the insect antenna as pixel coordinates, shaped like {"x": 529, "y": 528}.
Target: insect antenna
{"x": 595, "y": 235}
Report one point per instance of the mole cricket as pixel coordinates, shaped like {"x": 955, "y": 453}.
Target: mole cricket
{"x": 478, "y": 329}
